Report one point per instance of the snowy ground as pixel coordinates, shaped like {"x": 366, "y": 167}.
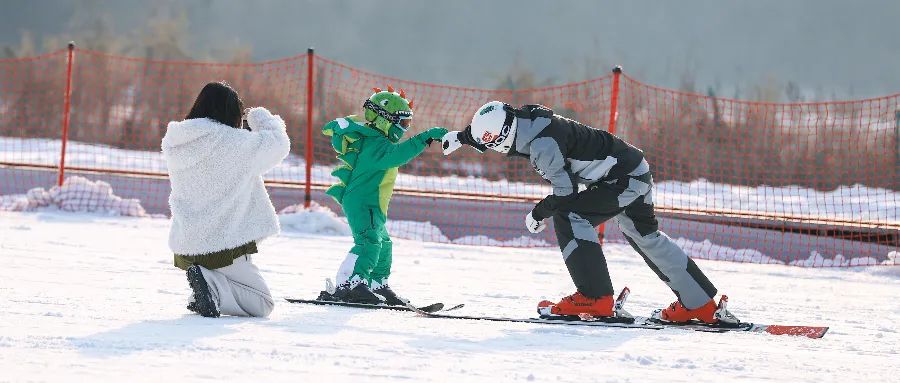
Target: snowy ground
{"x": 90, "y": 297}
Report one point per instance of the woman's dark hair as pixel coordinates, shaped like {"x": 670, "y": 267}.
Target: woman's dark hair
{"x": 218, "y": 101}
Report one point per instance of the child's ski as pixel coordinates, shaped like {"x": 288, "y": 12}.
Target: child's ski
{"x": 434, "y": 307}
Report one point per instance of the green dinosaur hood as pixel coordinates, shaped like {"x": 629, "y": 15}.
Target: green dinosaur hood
{"x": 385, "y": 109}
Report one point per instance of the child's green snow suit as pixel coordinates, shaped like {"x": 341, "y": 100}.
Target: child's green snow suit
{"x": 367, "y": 176}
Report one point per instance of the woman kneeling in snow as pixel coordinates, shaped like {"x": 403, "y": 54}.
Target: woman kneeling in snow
{"x": 220, "y": 207}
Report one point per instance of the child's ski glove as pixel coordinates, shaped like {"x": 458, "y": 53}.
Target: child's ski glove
{"x": 432, "y": 134}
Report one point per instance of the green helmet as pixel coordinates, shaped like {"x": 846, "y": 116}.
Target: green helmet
{"x": 390, "y": 112}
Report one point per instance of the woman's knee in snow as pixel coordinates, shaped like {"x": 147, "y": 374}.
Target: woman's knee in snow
{"x": 263, "y": 308}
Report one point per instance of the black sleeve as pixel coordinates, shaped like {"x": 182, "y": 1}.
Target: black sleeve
{"x": 537, "y": 110}
{"x": 549, "y": 206}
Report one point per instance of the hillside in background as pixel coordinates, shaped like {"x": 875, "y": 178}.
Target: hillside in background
{"x": 781, "y": 51}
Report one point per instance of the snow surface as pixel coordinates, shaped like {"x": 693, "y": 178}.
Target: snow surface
{"x": 92, "y": 297}
{"x": 852, "y": 202}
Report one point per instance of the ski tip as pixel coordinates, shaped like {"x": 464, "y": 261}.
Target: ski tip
{"x": 416, "y": 310}
{"x": 457, "y": 307}
{"x": 432, "y": 308}
{"x": 807, "y": 331}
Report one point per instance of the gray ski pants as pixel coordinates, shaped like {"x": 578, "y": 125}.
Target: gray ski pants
{"x": 629, "y": 201}
{"x": 239, "y": 289}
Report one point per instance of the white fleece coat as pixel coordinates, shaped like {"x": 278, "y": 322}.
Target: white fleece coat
{"x": 218, "y": 200}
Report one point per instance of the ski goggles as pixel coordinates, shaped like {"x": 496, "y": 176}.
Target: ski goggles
{"x": 394, "y": 118}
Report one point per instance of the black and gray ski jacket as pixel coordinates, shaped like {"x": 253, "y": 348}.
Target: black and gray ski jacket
{"x": 567, "y": 153}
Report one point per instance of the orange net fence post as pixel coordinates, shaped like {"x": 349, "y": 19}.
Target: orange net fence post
{"x": 613, "y": 115}
{"x": 70, "y": 60}
{"x": 308, "y": 150}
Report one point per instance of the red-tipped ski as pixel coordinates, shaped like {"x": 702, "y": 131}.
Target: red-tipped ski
{"x": 807, "y": 331}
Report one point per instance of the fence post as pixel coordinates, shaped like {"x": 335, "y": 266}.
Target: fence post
{"x": 613, "y": 116}
{"x": 897, "y": 139}
{"x": 614, "y": 99}
{"x": 66, "y": 111}
{"x": 310, "y": 61}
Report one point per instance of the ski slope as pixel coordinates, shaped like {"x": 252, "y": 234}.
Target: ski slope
{"x": 91, "y": 297}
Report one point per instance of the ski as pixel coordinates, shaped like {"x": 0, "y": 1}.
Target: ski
{"x": 643, "y": 323}
{"x": 327, "y": 298}
{"x": 727, "y": 322}
{"x": 623, "y": 319}
{"x": 814, "y": 332}
{"x": 562, "y": 320}
{"x": 434, "y": 307}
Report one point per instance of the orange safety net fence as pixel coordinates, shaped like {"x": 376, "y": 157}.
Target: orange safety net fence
{"x": 811, "y": 184}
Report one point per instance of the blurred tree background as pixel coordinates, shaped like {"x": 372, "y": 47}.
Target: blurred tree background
{"x": 767, "y": 51}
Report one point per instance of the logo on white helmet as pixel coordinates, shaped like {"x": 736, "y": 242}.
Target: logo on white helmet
{"x": 492, "y": 141}
{"x": 492, "y": 125}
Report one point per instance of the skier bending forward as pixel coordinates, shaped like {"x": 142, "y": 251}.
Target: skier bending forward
{"x": 619, "y": 185}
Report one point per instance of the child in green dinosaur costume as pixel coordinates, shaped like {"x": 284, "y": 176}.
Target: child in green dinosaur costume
{"x": 371, "y": 154}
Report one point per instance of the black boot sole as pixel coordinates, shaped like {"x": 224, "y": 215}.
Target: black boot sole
{"x": 358, "y": 294}
{"x": 203, "y": 301}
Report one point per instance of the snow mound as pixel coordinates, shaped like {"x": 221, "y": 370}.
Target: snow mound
{"x": 316, "y": 219}
{"x": 816, "y": 259}
{"x": 416, "y": 231}
{"x": 708, "y": 250}
{"x": 482, "y": 240}
{"x": 77, "y": 194}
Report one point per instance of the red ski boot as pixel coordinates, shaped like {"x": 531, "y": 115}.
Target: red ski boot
{"x": 677, "y": 313}
{"x": 577, "y": 304}
{"x": 710, "y": 313}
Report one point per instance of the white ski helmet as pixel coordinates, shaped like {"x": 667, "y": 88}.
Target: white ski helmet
{"x": 494, "y": 126}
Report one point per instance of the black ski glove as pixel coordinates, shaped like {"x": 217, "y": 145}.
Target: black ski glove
{"x": 549, "y": 206}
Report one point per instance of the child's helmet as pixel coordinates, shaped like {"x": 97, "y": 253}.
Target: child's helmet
{"x": 389, "y": 111}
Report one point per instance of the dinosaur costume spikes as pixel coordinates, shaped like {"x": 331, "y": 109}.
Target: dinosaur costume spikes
{"x": 336, "y": 191}
{"x": 343, "y": 173}
{"x": 349, "y": 158}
